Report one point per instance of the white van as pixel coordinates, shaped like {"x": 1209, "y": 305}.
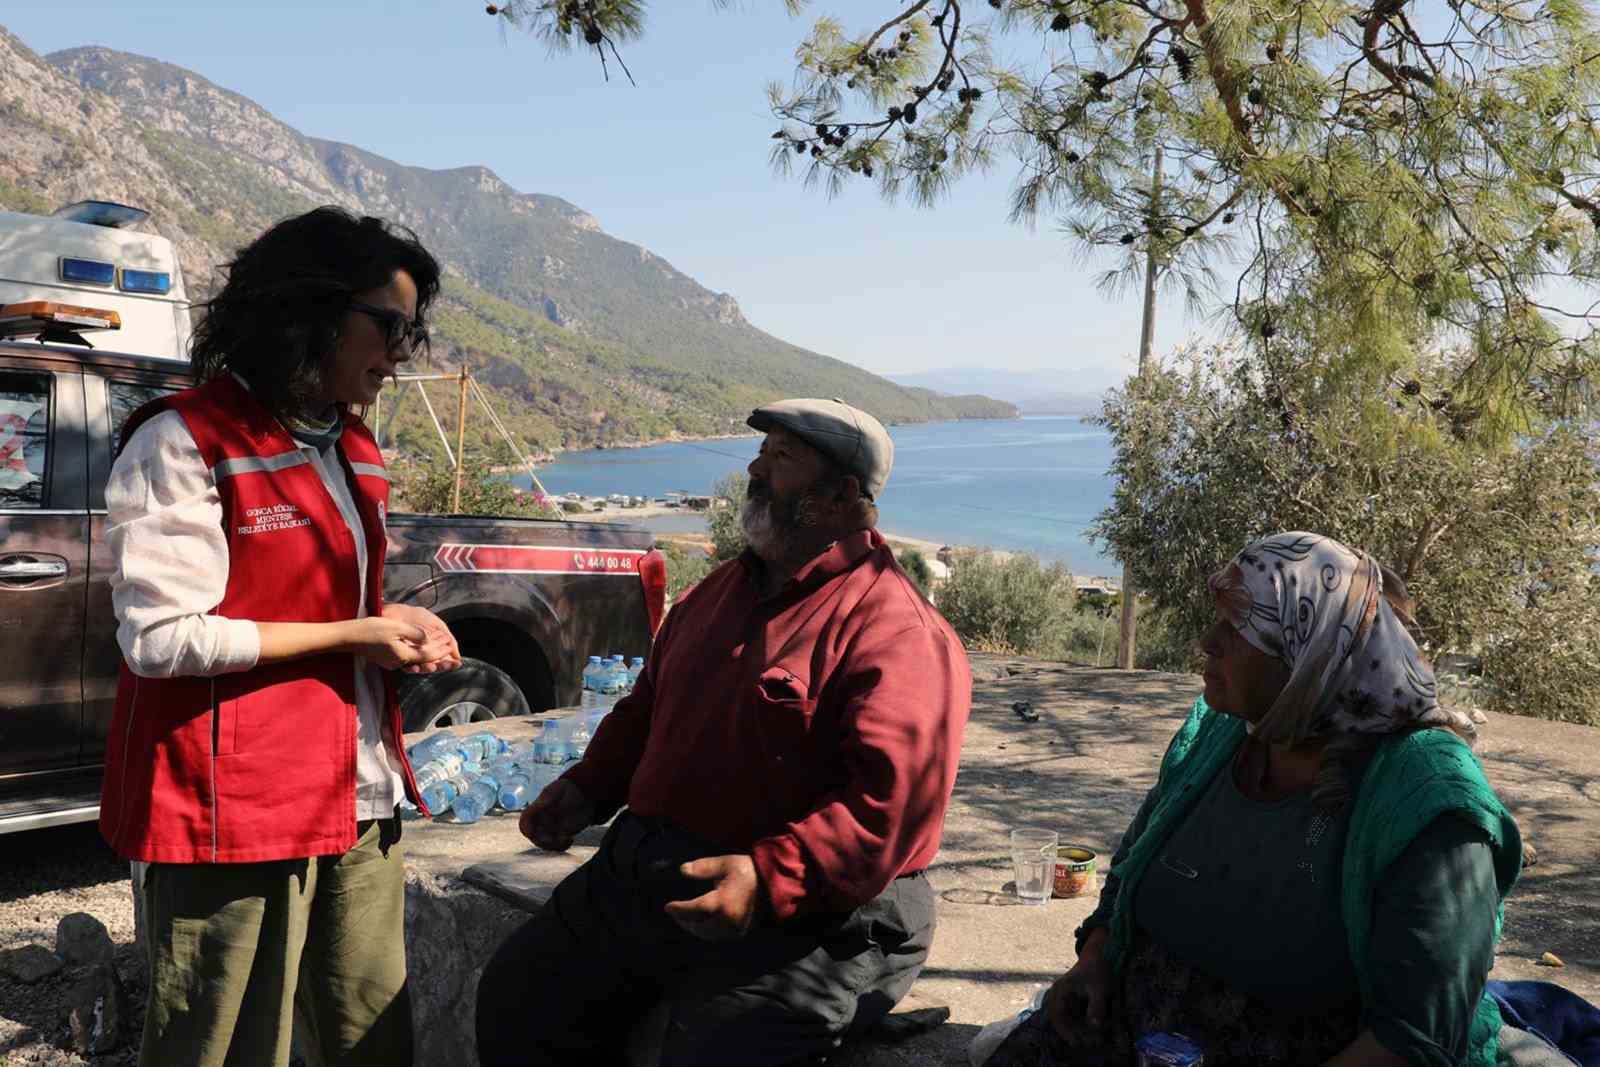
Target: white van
{"x": 86, "y": 256}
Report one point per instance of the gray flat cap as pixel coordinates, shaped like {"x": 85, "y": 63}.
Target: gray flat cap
{"x": 849, "y": 436}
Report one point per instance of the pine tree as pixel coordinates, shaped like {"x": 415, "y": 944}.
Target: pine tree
{"x": 1385, "y": 178}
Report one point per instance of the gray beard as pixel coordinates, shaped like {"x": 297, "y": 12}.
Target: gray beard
{"x": 765, "y": 537}
{"x": 772, "y": 535}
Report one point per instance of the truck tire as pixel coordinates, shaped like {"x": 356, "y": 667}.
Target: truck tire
{"x": 474, "y": 692}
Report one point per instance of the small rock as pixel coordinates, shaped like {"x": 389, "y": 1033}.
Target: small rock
{"x": 96, "y": 1007}
{"x": 1550, "y": 959}
{"x": 82, "y": 939}
{"x": 1530, "y": 855}
{"x": 29, "y": 963}
{"x": 1478, "y": 717}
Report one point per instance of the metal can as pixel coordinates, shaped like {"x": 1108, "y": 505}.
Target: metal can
{"x": 1075, "y": 870}
{"x": 1168, "y": 1050}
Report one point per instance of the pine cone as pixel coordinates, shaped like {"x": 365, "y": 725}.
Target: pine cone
{"x": 1184, "y": 64}
{"x": 909, "y": 113}
{"x": 1061, "y": 22}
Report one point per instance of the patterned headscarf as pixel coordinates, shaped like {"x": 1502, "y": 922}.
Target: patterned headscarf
{"x": 1318, "y": 607}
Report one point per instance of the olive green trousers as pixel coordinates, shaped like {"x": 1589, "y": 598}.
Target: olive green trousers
{"x": 242, "y": 955}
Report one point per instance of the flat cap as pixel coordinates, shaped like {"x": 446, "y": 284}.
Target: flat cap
{"x": 849, "y": 436}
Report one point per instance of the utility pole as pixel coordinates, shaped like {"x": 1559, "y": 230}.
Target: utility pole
{"x": 1147, "y": 342}
{"x": 461, "y": 439}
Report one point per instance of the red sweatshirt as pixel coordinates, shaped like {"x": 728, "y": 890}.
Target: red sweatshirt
{"x": 818, "y": 730}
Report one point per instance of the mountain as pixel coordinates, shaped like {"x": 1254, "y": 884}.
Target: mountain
{"x": 582, "y": 339}
{"x": 1033, "y": 392}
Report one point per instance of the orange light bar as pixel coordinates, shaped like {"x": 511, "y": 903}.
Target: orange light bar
{"x": 36, "y": 316}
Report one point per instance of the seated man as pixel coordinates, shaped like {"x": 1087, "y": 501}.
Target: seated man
{"x": 786, "y": 759}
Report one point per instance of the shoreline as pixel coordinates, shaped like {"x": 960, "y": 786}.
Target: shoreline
{"x": 899, "y": 542}
{"x": 543, "y": 459}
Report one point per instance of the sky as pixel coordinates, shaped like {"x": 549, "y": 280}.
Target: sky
{"x": 677, "y": 164}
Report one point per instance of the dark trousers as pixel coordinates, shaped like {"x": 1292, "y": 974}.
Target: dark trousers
{"x": 572, "y": 984}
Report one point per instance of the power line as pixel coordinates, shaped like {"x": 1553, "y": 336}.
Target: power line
{"x": 1027, "y": 515}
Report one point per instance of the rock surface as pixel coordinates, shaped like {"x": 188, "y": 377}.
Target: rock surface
{"x": 81, "y": 939}
{"x": 97, "y": 1007}
{"x": 30, "y": 963}
{"x": 451, "y": 931}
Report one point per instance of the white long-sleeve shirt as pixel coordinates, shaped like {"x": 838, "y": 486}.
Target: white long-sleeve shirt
{"x": 164, "y": 529}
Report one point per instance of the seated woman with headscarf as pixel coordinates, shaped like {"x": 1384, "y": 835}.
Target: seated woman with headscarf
{"x": 1317, "y": 875}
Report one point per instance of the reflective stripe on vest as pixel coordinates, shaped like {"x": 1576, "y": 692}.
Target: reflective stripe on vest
{"x": 258, "y": 464}
{"x": 371, "y": 470}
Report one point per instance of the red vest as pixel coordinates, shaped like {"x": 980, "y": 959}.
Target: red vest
{"x": 260, "y": 764}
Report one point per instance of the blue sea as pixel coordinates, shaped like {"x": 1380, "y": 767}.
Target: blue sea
{"x": 1026, "y": 485}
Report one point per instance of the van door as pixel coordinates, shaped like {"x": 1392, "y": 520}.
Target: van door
{"x": 43, "y": 575}
{"x": 108, "y": 402}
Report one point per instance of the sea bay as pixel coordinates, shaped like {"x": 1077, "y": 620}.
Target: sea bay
{"x": 1024, "y": 485}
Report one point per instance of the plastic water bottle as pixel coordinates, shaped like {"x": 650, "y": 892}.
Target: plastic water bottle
{"x": 432, "y": 747}
{"x": 548, "y": 747}
{"x": 635, "y": 668}
{"x": 440, "y": 767}
{"x": 409, "y": 811}
{"x": 481, "y": 746}
{"x": 591, "y": 683}
{"x": 427, "y": 774}
{"x": 516, "y": 791}
{"x": 613, "y": 683}
{"x": 578, "y": 740}
{"x": 539, "y": 778}
{"x": 470, "y": 806}
{"x": 440, "y": 795}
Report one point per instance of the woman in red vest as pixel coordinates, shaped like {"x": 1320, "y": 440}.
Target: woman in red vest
{"x": 255, "y": 758}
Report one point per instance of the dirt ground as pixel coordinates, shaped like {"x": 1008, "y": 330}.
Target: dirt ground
{"x": 1081, "y": 768}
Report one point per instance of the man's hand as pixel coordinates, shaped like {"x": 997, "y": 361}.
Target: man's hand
{"x": 438, "y": 633}
{"x": 727, "y": 912}
{"x": 559, "y": 814}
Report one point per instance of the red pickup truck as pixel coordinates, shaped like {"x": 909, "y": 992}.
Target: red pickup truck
{"x": 527, "y": 600}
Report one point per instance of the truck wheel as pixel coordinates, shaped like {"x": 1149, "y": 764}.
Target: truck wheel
{"x": 474, "y": 692}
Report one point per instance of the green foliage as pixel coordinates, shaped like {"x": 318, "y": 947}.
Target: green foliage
{"x": 1551, "y": 659}
{"x": 1211, "y": 455}
{"x": 16, "y": 198}
{"x": 1384, "y": 179}
{"x": 916, "y": 567}
{"x": 727, "y": 535}
{"x": 1017, "y": 606}
{"x": 685, "y": 566}
{"x": 429, "y": 488}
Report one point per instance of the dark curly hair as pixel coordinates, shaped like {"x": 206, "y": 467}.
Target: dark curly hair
{"x": 276, "y": 321}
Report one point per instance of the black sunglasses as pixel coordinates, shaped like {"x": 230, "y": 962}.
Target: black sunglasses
{"x": 397, "y": 329}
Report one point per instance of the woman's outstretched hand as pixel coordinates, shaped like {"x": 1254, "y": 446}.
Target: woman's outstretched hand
{"x": 396, "y": 644}
{"x": 1078, "y": 1002}
{"x": 437, "y": 636}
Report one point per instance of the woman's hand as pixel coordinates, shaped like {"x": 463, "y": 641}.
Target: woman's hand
{"x": 1078, "y": 1002}
{"x": 432, "y": 625}
{"x": 397, "y": 643}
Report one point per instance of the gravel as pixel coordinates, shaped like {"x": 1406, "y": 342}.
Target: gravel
{"x": 47, "y": 875}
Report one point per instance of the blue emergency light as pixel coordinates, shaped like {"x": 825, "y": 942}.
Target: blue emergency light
{"x": 87, "y": 271}
{"x": 158, "y": 282}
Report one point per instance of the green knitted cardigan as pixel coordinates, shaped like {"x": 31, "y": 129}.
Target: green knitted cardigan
{"x": 1412, "y": 780}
